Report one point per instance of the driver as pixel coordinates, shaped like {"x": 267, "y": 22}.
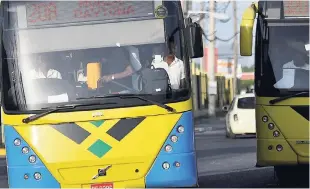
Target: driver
{"x": 117, "y": 68}
{"x": 43, "y": 71}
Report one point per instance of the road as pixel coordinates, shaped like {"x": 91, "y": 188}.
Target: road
{"x": 228, "y": 163}
{"x": 222, "y": 162}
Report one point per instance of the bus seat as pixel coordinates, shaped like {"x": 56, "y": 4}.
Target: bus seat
{"x": 93, "y": 74}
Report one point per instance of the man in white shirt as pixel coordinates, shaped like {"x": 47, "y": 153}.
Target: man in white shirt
{"x": 42, "y": 71}
{"x": 301, "y": 61}
{"x": 173, "y": 66}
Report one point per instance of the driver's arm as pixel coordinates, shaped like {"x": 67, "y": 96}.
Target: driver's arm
{"x": 127, "y": 72}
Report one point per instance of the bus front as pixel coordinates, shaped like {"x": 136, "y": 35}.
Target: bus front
{"x": 83, "y": 107}
{"x": 281, "y": 85}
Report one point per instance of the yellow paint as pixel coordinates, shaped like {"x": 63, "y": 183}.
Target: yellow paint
{"x": 74, "y": 166}
{"x": 272, "y": 157}
{"x": 292, "y": 127}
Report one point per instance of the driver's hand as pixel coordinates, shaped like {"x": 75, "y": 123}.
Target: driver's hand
{"x": 106, "y": 78}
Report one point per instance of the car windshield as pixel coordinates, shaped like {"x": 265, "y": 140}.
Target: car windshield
{"x": 64, "y": 51}
{"x": 289, "y": 56}
{"x": 246, "y": 103}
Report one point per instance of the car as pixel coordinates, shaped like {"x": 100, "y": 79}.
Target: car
{"x": 240, "y": 117}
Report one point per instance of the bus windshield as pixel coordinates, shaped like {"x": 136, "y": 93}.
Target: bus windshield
{"x": 288, "y": 54}
{"x": 56, "y": 52}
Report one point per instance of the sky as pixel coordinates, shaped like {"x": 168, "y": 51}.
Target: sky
{"x": 226, "y": 31}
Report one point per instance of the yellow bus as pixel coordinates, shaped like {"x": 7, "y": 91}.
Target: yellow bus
{"x": 96, "y": 94}
{"x": 281, "y": 85}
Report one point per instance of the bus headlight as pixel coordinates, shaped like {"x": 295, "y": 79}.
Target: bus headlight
{"x": 168, "y": 148}
{"x": 264, "y": 118}
{"x": 25, "y": 150}
{"x": 174, "y": 138}
{"x": 181, "y": 129}
{"x": 166, "y": 165}
{"x": 37, "y": 176}
{"x": 26, "y": 176}
{"x": 279, "y": 147}
{"x": 270, "y": 126}
{"x": 32, "y": 159}
{"x": 276, "y": 133}
{"x": 177, "y": 164}
{"x": 17, "y": 142}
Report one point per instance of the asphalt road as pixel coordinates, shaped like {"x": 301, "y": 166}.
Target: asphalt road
{"x": 228, "y": 163}
{"x": 222, "y": 162}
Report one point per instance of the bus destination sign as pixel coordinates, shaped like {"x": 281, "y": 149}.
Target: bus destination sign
{"x": 60, "y": 12}
{"x": 296, "y": 8}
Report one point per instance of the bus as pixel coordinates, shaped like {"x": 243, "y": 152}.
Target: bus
{"x": 281, "y": 52}
{"x": 84, "y": 105}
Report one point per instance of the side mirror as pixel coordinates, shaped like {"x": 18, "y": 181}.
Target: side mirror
{"x": 246, "y": 31}
{"x": 193, "y": 37}
{"x": 225, "y": 108}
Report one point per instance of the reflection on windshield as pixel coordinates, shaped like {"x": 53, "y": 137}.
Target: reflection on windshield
{"x": 80, "y": 60}
{"x": 289, "y": 55}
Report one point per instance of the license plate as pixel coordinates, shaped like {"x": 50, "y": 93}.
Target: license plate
{"x": 107, "y": 185}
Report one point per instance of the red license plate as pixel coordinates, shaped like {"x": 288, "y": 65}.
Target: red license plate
{"x": 107, "y": 185}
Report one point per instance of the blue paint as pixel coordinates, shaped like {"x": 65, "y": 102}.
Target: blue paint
{"x": 16, "y": 178}
{"x": 14, "y": 154}
{"x": 186, "y": 142}
{"x": 183, "y": 151}
{"x": 19, "y": 165}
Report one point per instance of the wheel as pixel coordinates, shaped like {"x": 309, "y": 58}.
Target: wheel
{"x": 231, "y": 134}
{"x": 293, "y": 176}
{"x": 227, "y": 134}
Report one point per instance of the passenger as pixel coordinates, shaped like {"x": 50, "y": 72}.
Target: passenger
{"x": 42, "y": 70}
{"x": 173, "y": 66}
{"x": 299, "y": 61}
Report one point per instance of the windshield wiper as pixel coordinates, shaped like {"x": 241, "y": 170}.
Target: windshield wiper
{"x": 124, "y": 96}
{"x": 50, "y": 110}
{"x": 276, "y": 100}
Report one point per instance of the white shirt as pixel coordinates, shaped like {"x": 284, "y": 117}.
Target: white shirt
{"x": 175, "y": 71}
{"x": 34, "y": 74}
{"x": 288, "y": 77}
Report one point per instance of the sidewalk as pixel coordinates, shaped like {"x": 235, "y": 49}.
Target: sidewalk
{"x": 203, "y": 114}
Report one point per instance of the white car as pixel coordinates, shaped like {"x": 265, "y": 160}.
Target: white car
{"x": 240, "y": 117}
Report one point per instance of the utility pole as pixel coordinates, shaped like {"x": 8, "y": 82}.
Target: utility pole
{"x": 212, "y": 84}
{"x": 236, "y": 51}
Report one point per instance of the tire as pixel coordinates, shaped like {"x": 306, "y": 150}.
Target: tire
{"x": 231, "y": 134}
{"x": 227, "y": 134}
{"x": 293, "y": 176}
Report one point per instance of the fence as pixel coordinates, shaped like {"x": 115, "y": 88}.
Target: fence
{"x": 200, "y": 91}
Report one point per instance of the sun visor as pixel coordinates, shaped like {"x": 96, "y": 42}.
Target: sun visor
{"x": 91, "y": 36}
